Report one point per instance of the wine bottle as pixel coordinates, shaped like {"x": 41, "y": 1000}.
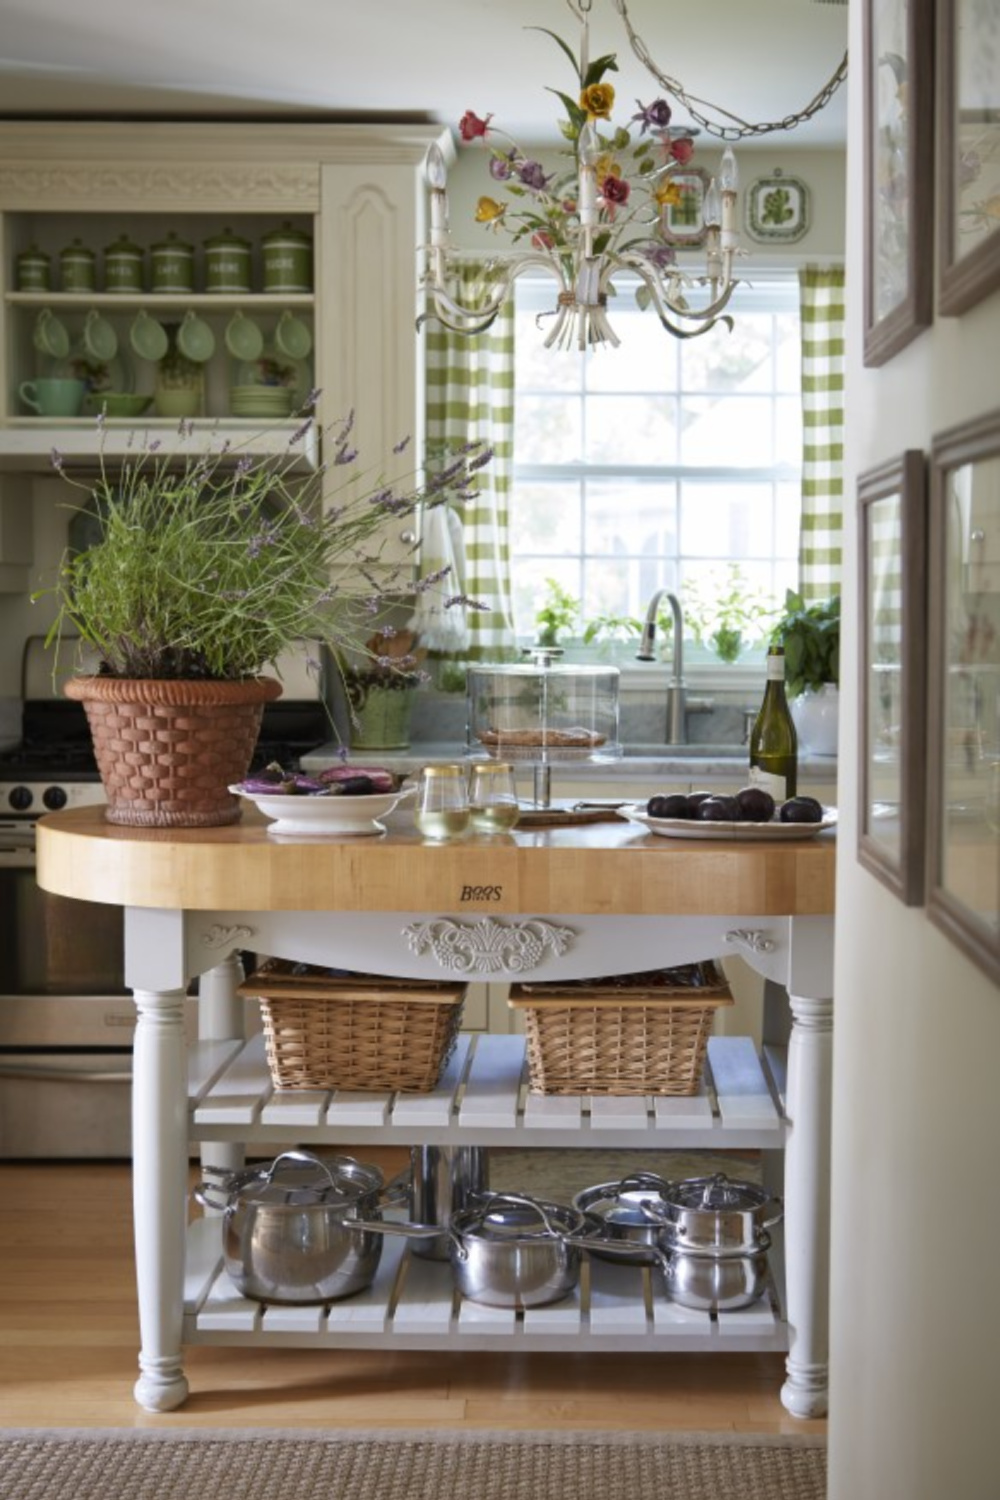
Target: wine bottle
{"x": 773, "y": 741}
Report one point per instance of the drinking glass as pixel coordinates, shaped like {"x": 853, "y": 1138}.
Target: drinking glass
{"x": 442, "y": 807}
{"x": 493, "y": 801}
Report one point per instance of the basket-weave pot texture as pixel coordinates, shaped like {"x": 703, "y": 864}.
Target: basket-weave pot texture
{"x": 168, "y": 750}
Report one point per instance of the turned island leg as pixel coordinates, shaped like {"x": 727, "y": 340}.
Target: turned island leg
{"x": 807, "y": 1206}
{"x": 159, "y": 1193}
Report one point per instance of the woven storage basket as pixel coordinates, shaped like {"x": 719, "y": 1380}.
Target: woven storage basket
{"x": 631, "y": 1034}
{"x": 168, "y": 750}
{"x": 325, "y": 1030}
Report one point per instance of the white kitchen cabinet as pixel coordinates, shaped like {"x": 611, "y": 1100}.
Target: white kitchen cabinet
{"x": 355, "y": 190}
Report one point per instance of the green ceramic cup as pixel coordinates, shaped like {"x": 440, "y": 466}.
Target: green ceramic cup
{"x": 53, "y": 398}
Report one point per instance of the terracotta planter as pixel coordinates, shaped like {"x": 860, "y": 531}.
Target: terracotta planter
{"x": 168, "y": 751}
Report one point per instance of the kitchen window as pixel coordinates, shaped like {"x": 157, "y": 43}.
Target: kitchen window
{"x": 658, "y": 464}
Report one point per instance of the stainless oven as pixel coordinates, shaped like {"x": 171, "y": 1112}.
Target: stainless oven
{"x": 66, "y": 1019}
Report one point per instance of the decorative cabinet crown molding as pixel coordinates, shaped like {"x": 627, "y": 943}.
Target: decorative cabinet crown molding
{"x": 161, "y": 184}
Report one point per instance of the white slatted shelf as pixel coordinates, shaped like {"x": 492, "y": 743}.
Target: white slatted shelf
{"x": 412, "y": 1304}
{"x": 483, "y": 1099}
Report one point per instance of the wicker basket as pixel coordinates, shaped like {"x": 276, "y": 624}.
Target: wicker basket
{"x": 328, "y": 1030}
{"x": 631, "y": 1034}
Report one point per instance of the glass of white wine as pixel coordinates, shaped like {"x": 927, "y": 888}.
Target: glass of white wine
{"x": 442, "y": 807}
{"x": 493, "y": 797}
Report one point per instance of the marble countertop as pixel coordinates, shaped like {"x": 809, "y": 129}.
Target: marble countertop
{"x": 639, "y": 763}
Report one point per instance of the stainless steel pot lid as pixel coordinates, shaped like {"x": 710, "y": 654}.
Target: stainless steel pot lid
{"x": 716, "y": 1193}
{"x": 621, "y": 1202}
{"x": 507, "y": 1217}
{"x": 299, "y": 1179}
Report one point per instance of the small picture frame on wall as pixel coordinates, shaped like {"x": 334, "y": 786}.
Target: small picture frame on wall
{"x": 777, "y": 208}
{"x": 898, "y": 79}
{"x": 892, "y": 596}
{"x": 968, "y": 133}
{"x": 963, "y": 709}
{"x": 683, "y": 223}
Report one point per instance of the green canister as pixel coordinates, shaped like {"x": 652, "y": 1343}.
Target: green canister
{"x": 287, "y": 254}
{"x": 227, "y": 263}
{"x": 123, "y": 266}
{"x": 34, "y": 272}
{"x": 78, "y": 268}
{"x": 171, "y": 265}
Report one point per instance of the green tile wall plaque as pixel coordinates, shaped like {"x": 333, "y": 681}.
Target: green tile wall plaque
{"x": 777, "y": 208}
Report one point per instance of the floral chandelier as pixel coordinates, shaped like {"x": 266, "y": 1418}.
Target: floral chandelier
{"x": 604, "y": 217}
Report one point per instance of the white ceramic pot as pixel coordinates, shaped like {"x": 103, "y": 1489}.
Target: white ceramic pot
{"x": 815, "y": 714}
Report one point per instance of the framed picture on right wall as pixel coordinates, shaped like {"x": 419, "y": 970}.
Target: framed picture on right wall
{"x": 963, "y": 692}
{"x": 968, "y": 133}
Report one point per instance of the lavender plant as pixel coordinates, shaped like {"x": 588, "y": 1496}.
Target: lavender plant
{"x": 212, "y": 561}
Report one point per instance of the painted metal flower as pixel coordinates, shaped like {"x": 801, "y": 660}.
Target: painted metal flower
{"x": 655, "y": 116}
{"x": 471, "y": 127}
{"x": 597, "y": 101}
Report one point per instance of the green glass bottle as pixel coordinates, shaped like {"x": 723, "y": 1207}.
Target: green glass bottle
{"x": 773, "y": 741}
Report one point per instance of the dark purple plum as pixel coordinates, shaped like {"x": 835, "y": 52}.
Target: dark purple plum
{"x": 674, "y": 805}
{"x": 694, "y": 801}
{"x": 756, "y": 805}
{"x": 800, "y": 810}
{"x": 719, "y": 810}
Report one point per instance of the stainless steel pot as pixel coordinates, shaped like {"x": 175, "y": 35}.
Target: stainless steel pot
{"x": 714, "y": 1214}
{"x": 514, "y": 1251}
{"x": 717, "y": 1283}
{"x": 618, "y": 1208}
{"x": 302, "y": 1229}
{"x": 444, "y": 1180}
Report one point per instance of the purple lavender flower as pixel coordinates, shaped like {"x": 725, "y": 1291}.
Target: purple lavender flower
{"x": 57, "y": 460}
{"x": 655, "y": 116}
{"x": 345, "y": 455}
{"x": 402, "y": 446}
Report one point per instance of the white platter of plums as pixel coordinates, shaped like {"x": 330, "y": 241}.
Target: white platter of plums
{"x": 343, "y": 800}
{"x": 751, "y": 813}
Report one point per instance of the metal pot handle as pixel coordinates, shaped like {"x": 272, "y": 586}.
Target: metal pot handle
{"x": 203, "y": 1193}
{"x": 620, "y": 1248}
{"x": 654, "y": 1212}
{"x": 302, "y": 1157}
{"x": 388, "y": 1226}
{"x": 780, "y": 1205}
{"x": 641, "y": 1180}
{"x": 398, "y": 1189}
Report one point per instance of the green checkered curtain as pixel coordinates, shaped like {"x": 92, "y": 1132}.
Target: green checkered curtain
{"x": 821, "y": 301}
{"x": 470, "y": 396}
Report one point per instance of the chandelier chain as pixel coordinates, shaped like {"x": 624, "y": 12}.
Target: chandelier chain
{"x": 737, "y": 128}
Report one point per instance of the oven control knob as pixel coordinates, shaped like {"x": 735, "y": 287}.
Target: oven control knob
{"x": 20, "y": 798}
{"x": 54, "y": 798}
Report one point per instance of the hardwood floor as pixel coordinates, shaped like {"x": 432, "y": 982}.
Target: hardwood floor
{"x": 69, "y": 1339}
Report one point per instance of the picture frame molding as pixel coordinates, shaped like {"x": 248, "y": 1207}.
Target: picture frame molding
{"x": 678, "y": 238}
{"x": 886, "y": 335}
{"x": 962, "y": 280}
{"x": 970, "y": 441}
{"x": 906, "y": 477}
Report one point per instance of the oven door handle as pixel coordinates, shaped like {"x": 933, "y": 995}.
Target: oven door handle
{"x": 63, "y": 1075}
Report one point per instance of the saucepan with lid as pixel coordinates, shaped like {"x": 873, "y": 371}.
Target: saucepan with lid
{"x": 618, "y": 1208}
{"x": 302, "y": 1229}
{"x": 509, "y": 1250}
{"x": 713, "y": 1215}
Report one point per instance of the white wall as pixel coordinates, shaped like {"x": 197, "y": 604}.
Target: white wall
{"x": 916, "y": 1204}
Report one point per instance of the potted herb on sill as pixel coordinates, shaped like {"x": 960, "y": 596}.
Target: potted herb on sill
{"x": 209, "y": 562}
{"x": 810, "y": 636}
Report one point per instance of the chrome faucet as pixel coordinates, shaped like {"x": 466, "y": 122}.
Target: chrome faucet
{"x": 676, "y": 691}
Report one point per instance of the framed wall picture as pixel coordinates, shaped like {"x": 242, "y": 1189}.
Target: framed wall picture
{"x": 963, "y": 718}
{"x": 968, "y": 129}
{"x": 683, "y": 223}
{"x": 899, "y": 189}
{"x": 777, "y": 208}
{"x": 892, "y": 595}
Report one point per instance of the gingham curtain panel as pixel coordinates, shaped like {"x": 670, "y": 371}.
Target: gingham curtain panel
{"x": 821, "y": 294}
{"x": 470, "y": 396}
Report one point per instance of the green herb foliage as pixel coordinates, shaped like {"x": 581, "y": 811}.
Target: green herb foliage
{"x": 810, "y": 635}
{"x": 212, "y": 561}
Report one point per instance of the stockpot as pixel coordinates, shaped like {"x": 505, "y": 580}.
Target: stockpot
{"x": 618, "y": 1208}
{"x": 513, "y": 1251}
{"x": 444, "y": 1180}
{"x": 302, "y": 1229}
{"x": 713, "y": 1214}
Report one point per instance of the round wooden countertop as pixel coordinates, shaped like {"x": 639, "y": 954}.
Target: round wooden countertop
{"x": 615, "y": 869}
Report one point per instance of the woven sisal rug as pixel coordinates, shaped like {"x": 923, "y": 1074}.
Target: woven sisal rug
{"x": 386, "y": 1465}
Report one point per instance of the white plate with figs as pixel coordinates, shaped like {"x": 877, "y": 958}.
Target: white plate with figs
{"x": 696, "y": 828}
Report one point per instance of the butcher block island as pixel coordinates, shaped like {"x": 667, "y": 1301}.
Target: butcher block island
{"x": 536, "y": 905}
